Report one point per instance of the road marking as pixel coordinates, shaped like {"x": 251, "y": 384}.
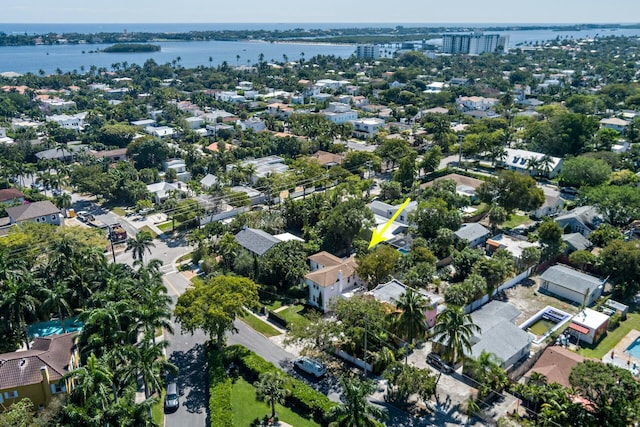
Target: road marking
{"x": 169, "y": 284}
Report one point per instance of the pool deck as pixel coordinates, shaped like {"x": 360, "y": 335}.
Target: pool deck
{"x": 621, "y": 358}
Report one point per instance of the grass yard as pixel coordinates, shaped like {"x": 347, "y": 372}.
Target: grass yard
{"x": 119, "y": 211}
{"x": 166, "y": 226}
{"x": 274, "y": 306}
{"x": 612, "y": 338}
{"x": 246, "y": 408}
{"x": 516, "y": 220}
{"x": 157, "y": 411}
{"x": 260, "y": 326}
{"x": 184, "y": 257}
{"x": 292, "y": 314}
{"x": 149, "y": 230}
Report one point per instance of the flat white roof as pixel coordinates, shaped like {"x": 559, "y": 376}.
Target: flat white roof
{"x": 590, "y": 318}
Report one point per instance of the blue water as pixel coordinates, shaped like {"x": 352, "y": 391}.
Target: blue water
{"x": 52, "y": 327}
{"x": 634, "y": 348}
{"x": 25, "y": 59}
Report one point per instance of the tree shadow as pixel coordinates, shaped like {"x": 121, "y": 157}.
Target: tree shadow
{"x": 192, "y": 376}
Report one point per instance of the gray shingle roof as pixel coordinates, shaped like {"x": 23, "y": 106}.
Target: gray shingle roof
{"x": 256, "y": 241}
{"x": 471, "y": 231}
{"x": 32, "y": 210}
{"x": 577, "y": 241}
{"x": 569, "y": 278}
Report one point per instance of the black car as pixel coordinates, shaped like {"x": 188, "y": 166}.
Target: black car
{"x": 436, "y": 361}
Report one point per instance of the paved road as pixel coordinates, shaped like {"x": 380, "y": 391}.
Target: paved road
{"x": 187, "y": 353}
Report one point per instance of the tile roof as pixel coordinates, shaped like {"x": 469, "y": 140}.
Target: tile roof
{"x": 10, "y": 194}
{"x": 32, "y": 210}
{"x": 325, "y": 259}
{"x": 256, "y": 241}
{"x": 329, "y": 275}
{"x": 556, "y": 364}
{"x": 23, "y": 367}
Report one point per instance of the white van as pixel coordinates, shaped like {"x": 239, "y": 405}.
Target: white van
{"x": 310, "y": 366}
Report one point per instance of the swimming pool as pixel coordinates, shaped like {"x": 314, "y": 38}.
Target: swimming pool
{"x": 634, "y": 348}
{"x": 544, "y": 323}
{"x": 53, "y": 327}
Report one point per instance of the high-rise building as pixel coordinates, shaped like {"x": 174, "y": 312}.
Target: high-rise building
{"x": 474, "y": 44}
{"x": 368, "y": 51}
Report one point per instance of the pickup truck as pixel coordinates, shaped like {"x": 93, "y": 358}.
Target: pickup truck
{"x": 117, "y": 233}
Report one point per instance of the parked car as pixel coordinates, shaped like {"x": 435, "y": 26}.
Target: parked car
{"x": 569, "y": 190}
{"x": 436, "y": 361}
{"x": 171, "y": 402}
{"x": 310, "y": 366}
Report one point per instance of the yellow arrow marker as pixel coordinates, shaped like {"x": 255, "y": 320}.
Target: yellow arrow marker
{"x": 378, "y": 236}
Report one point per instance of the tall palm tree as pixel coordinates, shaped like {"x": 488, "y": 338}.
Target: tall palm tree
{"x": 228, "y": 248}
{"x": 410, "y": 320}
{"x": 56, "y": 298}
{"x": 546, "y": 164}
{"x": 63, "y": 201}
{"x": 356, "y": 411}
{"x": 18, "y": 301}
{"x": 90, "y": 382}
{"x": 454, "y": 329}
{"x": 270, "y": 388}
{"x": 140, "y": 244}
{"x": 148, "y": 363}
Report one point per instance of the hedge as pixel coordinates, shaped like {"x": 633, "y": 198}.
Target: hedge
{"x": 304, "y": 399}
{"x": 220, "y": 387}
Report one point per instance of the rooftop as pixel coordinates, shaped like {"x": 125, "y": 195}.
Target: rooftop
{"x": 569, "y": 278}
{"x": 256, "y": 241}
{"x": 29, "y": 211}
{"x": 590, "y": 318}
{"x": 556, "y": 364}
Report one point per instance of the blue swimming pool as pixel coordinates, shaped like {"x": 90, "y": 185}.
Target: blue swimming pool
{"x": 634, "y": 349}
{"x": 52, "y": 327}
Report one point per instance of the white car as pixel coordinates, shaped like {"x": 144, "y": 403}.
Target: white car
{"x": 310, "y": 366}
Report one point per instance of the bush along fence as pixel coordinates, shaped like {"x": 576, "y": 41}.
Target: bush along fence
{"x": 303, "y": 399}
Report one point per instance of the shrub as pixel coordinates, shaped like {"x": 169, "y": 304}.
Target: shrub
{"x": 220, "y": 385}
{"x": 303, "y": 398}
{"x": 614, "y": 321}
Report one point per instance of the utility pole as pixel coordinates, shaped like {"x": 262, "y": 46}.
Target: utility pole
{"x": 460, "y": 139}
{"x": 366, "y": 322}
{"x": 369, "y": 164}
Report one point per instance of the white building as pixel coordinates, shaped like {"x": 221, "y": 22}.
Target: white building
{"x": 468, "y": 103}
{"x": 518, "y": 160}
{"x": 339, "y": 113}
{"x": 57, "y": 104}
{"x": 588, "y": 325}
{"x": 615, "y": 123}
{"x": 367, "y": 127}
{"x": 571, "y": 284}
{"x": 194, "y": 122}
{"x": 253, "y": 123}
{"x": 4, "y": 139}
{"x": 475, "y": 44}
{"x": 160, "y": 131}
{"x": 329, "y": 278}
{"x": 75, "y": 122}
{"x": 368, "y": 51}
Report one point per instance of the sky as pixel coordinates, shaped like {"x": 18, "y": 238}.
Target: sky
{"x": 326, "y": 11}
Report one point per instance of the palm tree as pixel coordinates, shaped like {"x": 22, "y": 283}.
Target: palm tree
{"x": 409, "y": 320}
{"x": 63, "y": 201}
{"x": 147, "y": 362}
{"x": 356, "y": 411}
{"x": 56, "y": 298}
{"x": 140, "y": 244}
{"x": 546, "y": 164}
{"x": 90, "y": 382}
{"x": 18, "y": 301}
{"x": 454, "y": 329}
{"x": 270, "y": 388}
{"x": 228, "y": 247}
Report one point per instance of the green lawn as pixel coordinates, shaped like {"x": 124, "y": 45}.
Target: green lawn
{"x": 184, "y": 257}
{"x": 167, "y": 226}
{"x": 149, "y": 230}
{"x": 157, "y": 411}
{"x": 612, "y": 338}
{"x": 292, "y": 314}
{"x": 246, "y": 408}
{"x": 260, "y": 326}
{"x": 274, "y": 305}
{"x": 516, "y": 220}
{"x": 119, "y": 211}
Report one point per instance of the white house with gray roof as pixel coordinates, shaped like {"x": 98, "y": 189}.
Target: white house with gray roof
{"x": 499, "y": 335}
{"x": 258, "y": 242}
{"x": 518, "y": 161}
{"x": 39, "y": 212}
{"x": 583, "y": 220}
{"x": 474, "y": 233}
{"x": 572, "y": 285}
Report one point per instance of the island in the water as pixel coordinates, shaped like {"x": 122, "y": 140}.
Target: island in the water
{"x": 132, "y": 47}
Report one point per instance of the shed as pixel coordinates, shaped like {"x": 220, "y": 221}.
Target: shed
{"x": 588, "y": 325}
{"x": 572, "y": 285}
{"x": 618, "y": 307}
